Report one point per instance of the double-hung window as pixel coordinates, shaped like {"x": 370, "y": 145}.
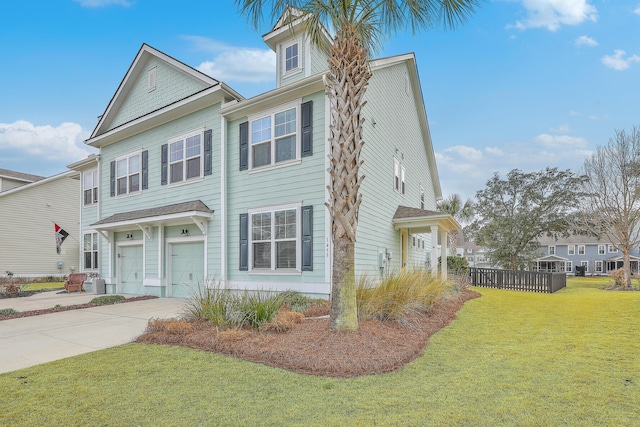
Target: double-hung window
{"x": 399, "y": 174}
{"x": 581, "y": 250}
{"x": 613, "y": 249}
{"x": 274, "y": 137}
{"x": 128, "y": 174}
{"x": 185, "y": 158}
{"x": 571, "y": 250}
{"x": 291, "y": 56}
{"x": 275, "y": 238}
{"x": 90, "y": 186}
{"x": 599, "y": 268}
{"x": 568, "y": 266}
{"x": 552, "y": 250}
{"x": 90, "y": 251}
{"x": 601, "y": 249}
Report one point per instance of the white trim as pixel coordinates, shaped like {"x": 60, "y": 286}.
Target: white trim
{"x": 582, "y": 251}
{"x": 223, "y": 199}
{"x": 116, "y": 177}
{"x": 199, "y": 132}
{"x": 571, "y": 249}
{"x": 298, "y": 239}
{"x": 169, "y": 263}
{"x": 283, "y": 59}
{"x": 549, "y": 251}
{"x": 152, "y": 78}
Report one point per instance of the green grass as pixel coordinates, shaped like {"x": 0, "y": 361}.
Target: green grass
{"x": 510, "y": 359}
{"x": 43, "y": 286}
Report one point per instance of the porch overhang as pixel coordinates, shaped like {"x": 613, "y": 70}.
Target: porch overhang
{"x": 421, "y": 220}
{"x": 552, "y": 258}
{"x": 180, "y": 213}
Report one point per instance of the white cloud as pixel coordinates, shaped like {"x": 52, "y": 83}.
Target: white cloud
{"x": 103, "y": 3}
{"x": 561, "y": 129}
{"x": 573, "y": 113}
{"x": 44, "y": 143}
{"x": 234, "y": 63}
{"x": 551, "y": 14}
{"x": 564, "y": 141}
{"x": 495, "y": 151}
{"x": 585, "y": 41}
{"x": 619, "y": 60}
{"x": 637, "y": 10}
{"x": 465, "y": 152}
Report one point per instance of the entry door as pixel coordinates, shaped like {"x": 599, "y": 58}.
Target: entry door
{"x": 187, "y": 268}
{"x": 130, "y": 262}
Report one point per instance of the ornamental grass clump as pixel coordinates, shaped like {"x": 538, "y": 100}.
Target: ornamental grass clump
{"x": 399, "y": 296}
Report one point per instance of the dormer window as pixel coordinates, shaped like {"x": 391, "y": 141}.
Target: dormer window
{"x": 291, "y": 56}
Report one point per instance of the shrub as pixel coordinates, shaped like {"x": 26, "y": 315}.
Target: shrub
{"x": 259, "y": 307}
{"x": 210, "y": 303}
{"x": 296, "y": 301}
{"x": 8, "y": 312}
{"x": 107, "y": 299}
{"x": 456, "y": 264}
{"x": 399, "y": 296}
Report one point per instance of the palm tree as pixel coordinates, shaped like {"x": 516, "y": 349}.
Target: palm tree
{"x": 359, "y": 26}
{"x": 461, "y": 211}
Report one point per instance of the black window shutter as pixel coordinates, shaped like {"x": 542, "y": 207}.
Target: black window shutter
{"x": 112, "y": 178}
{"x": 307, "y": 238}
{"x": 208, "y": 157}
{"x": 164, "y": 158}
{"x": 244, "y": 146}
{"x": 145, "y": 169}
{"x": 244, "y": 242}
{"x": 307, "y": 128}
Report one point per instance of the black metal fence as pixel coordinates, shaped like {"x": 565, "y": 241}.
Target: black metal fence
{"x": 517, "y": 280}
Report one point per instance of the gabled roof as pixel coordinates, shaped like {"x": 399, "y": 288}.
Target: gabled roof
{"x": 138, "y": 67}
{"x": 19, "y": 176}
{"x": 193, "y": 207}
{"x": 42, "y": 181}
{"x": 422, "y": 220}
{"x": 288, "y": 26}
{"x": 552, "y": 258}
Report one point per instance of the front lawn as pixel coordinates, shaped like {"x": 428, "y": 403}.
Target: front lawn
{"x": 511, "y": 358}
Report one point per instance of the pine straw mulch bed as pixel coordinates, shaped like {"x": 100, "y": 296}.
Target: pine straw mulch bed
{"x": 310, "y": 347}
{"x": 70, "y": 307}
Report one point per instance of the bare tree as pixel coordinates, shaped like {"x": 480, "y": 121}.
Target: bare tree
{"x": 611, "y": 207}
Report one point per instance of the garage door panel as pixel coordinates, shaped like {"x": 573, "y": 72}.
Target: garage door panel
{"x": 187, "y": 268}
{"x": 131, "y": 270}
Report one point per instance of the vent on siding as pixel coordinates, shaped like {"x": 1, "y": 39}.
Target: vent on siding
{"x": 151, "y": 79}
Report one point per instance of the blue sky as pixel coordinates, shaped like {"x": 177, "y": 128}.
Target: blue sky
{"x": 524, "y": 84}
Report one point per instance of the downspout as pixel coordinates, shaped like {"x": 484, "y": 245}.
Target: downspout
{"x": 223, "y": 200}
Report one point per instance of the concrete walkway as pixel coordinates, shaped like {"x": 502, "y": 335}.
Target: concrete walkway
{"x": 30, "y": 341}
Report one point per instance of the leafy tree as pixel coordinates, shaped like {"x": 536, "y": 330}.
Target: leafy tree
{"x": 611, "y": 206}
{"x": 512, "y": 213}
{"x": 359, "y": 27}
{"x": 461, "y": 211}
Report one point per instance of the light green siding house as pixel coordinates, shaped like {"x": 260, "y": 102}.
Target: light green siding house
{"x": 197, "y": 184}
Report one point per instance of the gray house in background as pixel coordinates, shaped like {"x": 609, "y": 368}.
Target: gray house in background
{"x": 598, "y": 257}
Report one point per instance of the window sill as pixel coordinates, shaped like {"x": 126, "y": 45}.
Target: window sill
{"x": 291, "y": 72}
{"x": 276, "y": 166}
{"x": 122, "y": 196}
{"x": 274, "y": 273}
{"x": 186, "y": 182}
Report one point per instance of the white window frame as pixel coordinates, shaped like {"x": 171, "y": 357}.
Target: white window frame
{"x": 90, "y": 184}
{"x": 272, "y": 136}
{"x": 581, "y": 250}
{"x": 298, "y": 239}
{"x": 571, "y": 249}
{"x": 585, "y": 264}
{"x": 128, "y": 175}
{"x": 599, "y": 266}
{"x": 602, "y": 249}
{"x": 422, "y": 197}
{"x": 94, "y": 250}
{"x": 612, "y": 249}
{"x": 298, "y": 67}
{"x": 399, "y": 176}
{"x": 185, "y": 156}
{"x": 552, "y": 250}
{"x": 568, "y": 266}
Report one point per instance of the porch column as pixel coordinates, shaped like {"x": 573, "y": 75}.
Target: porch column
{"x": 434, "y": 250}
{"x": 444, "y": 240}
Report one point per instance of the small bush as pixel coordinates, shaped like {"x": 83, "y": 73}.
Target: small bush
{"x": 210, "y": 303}
{"x": 8, "y": 312}
{"x": 456, "y": 264}
{"x": 107, "y": 299}
{"x": 296, "y": 301}
{"x": 399, "y": 296}
{"x": 259, "y": 307}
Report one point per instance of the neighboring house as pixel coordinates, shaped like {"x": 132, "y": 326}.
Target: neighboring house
{"x": 194, "y": 183}
{"x": 29, "y": 211}
{"x": 596, "y": 256}
{"x": 476, "y": 256}
{"x": 11, "y": 179}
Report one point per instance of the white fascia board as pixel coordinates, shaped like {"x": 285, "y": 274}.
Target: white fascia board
{"x": 273, "y": 98}
{"x": 154, "y": 220}
{"x": 174, "y": 111}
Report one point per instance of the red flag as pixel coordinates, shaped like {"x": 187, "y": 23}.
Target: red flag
{"x": 60, "y": 236}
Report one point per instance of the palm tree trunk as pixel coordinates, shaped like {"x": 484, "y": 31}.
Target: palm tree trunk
{"x": 348, "y": 77}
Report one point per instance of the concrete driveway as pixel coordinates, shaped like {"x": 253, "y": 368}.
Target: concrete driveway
{"x": 30, "y": 341}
